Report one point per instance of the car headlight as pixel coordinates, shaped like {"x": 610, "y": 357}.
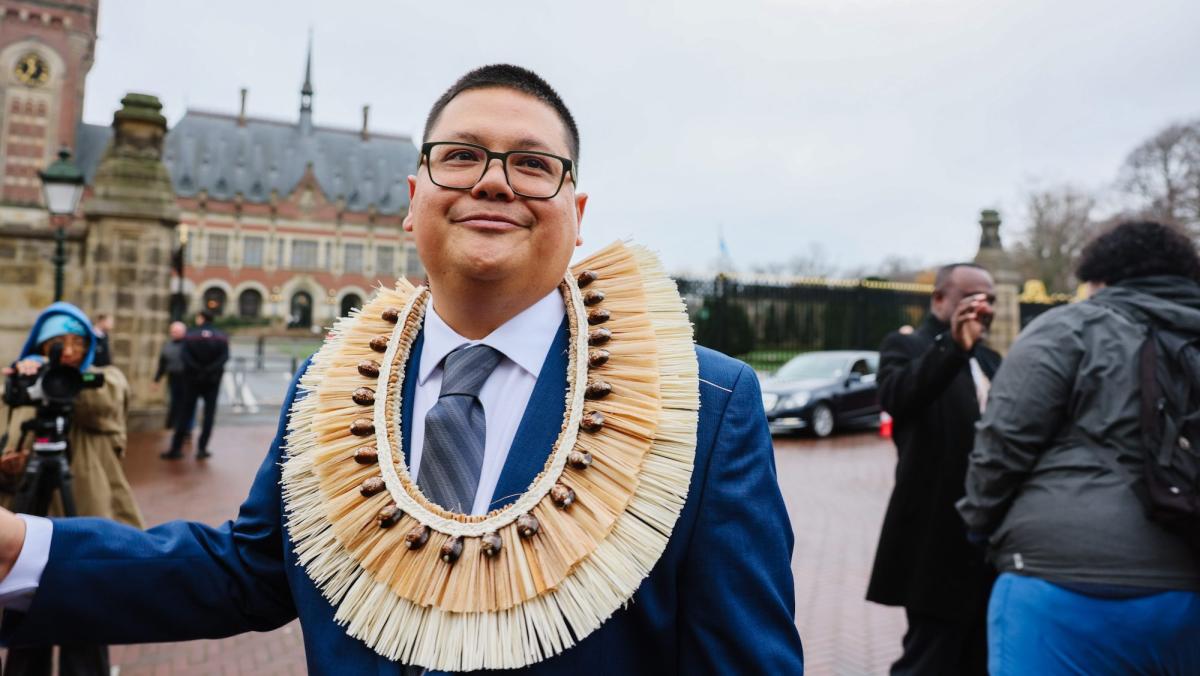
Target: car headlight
{"x": 769, "y": 400}
{"x": 794, "y": 400}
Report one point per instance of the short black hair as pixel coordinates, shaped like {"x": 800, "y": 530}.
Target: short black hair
{"x": 208, "y": 316}
{"x": 511, "y": 77}
{"x": 1138, "y": 249}
{"x": 943, "y": 274}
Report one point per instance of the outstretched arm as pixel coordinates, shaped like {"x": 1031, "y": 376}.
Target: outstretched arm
{"x": 108, "y": 583}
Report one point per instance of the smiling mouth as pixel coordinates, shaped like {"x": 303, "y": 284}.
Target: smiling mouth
{"x": 488, "y": 221}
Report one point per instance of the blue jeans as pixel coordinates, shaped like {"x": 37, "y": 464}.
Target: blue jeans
{"x": 1037, "y": 627}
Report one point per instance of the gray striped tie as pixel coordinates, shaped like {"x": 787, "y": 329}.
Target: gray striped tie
{"x": 454, "y": 430}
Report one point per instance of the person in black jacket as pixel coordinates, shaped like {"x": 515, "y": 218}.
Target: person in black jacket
{"x": 205, "y": 351}
{"x": 170, "y": 364}
{"x": 101, "y": 328}
{"x": 933, "y": 382}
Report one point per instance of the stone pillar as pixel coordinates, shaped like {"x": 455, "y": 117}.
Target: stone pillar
{"x": 131, "y": 218}
{"x": 1007, "y": 323}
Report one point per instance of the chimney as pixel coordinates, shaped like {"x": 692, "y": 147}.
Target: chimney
{"x": 242, "y": 113}
{"x": 366, "y": 112}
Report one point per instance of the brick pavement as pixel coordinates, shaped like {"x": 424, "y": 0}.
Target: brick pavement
{"x": 835, "y": 490}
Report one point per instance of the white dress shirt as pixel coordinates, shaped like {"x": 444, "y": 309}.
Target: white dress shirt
{"x": 524, "y": 341}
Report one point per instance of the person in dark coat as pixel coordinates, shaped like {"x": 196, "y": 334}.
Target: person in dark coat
{"x": 933, "y": 382}
{"x": 101, "y": 328}
{"x": 205, "y": 351}
{"x": 170, "y": 364}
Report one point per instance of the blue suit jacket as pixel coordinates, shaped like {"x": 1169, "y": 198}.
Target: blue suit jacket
{"x": 720, "y": 600}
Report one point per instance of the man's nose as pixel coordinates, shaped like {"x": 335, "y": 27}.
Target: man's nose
{"x": 493, "y": 184}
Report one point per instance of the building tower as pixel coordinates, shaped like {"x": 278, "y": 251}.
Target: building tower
{"x": 46, "y": 51}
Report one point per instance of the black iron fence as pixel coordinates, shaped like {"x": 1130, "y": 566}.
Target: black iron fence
{"x": 765, "y": 322}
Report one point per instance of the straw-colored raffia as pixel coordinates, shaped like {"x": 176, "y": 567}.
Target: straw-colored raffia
{"x": 540, "y": 595}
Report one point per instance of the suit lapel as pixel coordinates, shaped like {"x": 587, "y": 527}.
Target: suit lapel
{"x": 412, "y": 371}
{"x": 539, "y": 426}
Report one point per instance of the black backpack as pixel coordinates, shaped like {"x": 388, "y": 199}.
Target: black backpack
{"x": 1169, "y": 375}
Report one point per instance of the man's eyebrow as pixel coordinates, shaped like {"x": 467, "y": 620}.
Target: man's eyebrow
{"x": 523, "y": 143}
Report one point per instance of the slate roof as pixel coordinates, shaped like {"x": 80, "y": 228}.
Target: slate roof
{"x": 91, "y": 140}
{"x": 209, "y": 151}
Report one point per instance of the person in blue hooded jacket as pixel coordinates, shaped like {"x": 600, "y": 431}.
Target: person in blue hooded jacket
{"x": 97, "y": 441}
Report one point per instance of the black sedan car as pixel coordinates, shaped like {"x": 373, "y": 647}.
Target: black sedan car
{"x": 822, "y": 391}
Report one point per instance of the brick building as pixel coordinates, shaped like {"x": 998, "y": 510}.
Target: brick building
{"x": 284, "y": 221}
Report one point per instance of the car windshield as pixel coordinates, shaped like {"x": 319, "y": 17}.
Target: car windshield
{"x": 813, "y": 365}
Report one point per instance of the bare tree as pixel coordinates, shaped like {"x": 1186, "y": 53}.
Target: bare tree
{"x": 1163, "y": 175}
{"x": 1060, "y": 222}
{"x": 811, "y": 263}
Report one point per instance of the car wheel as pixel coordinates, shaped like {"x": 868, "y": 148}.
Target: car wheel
{"x": 822, "y": 420}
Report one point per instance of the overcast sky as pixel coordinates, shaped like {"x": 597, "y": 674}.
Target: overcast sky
{"x": 868, "y": 127}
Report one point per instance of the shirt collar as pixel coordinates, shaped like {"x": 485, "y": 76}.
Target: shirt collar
{"x": 524, "y": 339}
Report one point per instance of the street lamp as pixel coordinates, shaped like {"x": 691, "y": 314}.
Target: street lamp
{"x": 62, "y": 186}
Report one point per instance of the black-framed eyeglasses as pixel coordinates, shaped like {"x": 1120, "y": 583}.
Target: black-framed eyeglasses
{"x": 460, "y": 166}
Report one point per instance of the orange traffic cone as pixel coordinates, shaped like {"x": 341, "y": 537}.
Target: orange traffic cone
{"x": 885, "y": 425}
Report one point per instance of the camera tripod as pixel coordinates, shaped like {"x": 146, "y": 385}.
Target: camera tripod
{"x": 49, "y": 466}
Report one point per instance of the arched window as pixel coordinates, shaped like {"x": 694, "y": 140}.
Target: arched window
{"x": 300, "y": 314}
{"x": 349, "y": 302}
{"x": 214, "y": 300}
{"x": 250, "y": 304}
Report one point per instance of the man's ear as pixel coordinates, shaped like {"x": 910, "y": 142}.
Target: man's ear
{"x": 580, "y": 205}
{"x": 408, "y": 217}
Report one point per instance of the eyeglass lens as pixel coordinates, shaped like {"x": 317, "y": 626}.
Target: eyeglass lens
{"x": 462, "y": 166}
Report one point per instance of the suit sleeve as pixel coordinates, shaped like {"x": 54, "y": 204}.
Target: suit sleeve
{"x": 911, "y": 377}
{"x": 737, "y": 597}
{"x": 1026, "y": 407}
{"x": 109, "y": 583}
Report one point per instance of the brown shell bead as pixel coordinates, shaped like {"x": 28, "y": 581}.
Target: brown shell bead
{"x": 379, "y": 343}
{"x": 578, "y": 460}
{"x": 597, "y": 389}
{"x": 598, "y": 357}
{"x": 391, "y": 315}
{"x": 417, "y": 537}
{"x": 363, "y": 396}
{"x": 451, "y": 550}
{"x": 372, "y": 486}
{"x": 592, "y": 421}
{"x": 528, "y": 526}
{"x": 562, "y": 495}
{"x": 598, "y": 316}
{"x": 593, "y": 297}
{"x": 490, "y": 544}
{"x": 597, "y": 336}
{"x": 362, "y": 427}
{"x": 586, "y": 277}
{"x": 367, "y": 455}
{"x": 389, "y": 516}
{"x": 368, "y": 368}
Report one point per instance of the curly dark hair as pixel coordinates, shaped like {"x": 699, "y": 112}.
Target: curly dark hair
{"x": 1138, "y": 249}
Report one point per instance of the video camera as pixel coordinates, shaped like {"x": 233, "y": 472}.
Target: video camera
{"x": 53, "y": 387}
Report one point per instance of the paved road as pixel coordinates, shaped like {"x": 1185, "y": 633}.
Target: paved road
{"x": 835, "y": 492}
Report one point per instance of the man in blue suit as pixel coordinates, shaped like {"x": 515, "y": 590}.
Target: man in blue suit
{"x": 719, "y": 600}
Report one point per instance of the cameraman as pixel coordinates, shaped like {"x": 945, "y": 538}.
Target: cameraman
{"x": 96, "y": 438}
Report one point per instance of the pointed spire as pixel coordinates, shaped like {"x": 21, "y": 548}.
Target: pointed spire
{"x": 306, "y": 92}
{"x": 307, "y": 89}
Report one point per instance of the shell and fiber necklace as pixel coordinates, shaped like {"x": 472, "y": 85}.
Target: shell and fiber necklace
{"x": 526, "y": 581}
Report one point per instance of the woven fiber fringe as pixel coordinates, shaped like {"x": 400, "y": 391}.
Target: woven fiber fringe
{"x": 539, "y": 596}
